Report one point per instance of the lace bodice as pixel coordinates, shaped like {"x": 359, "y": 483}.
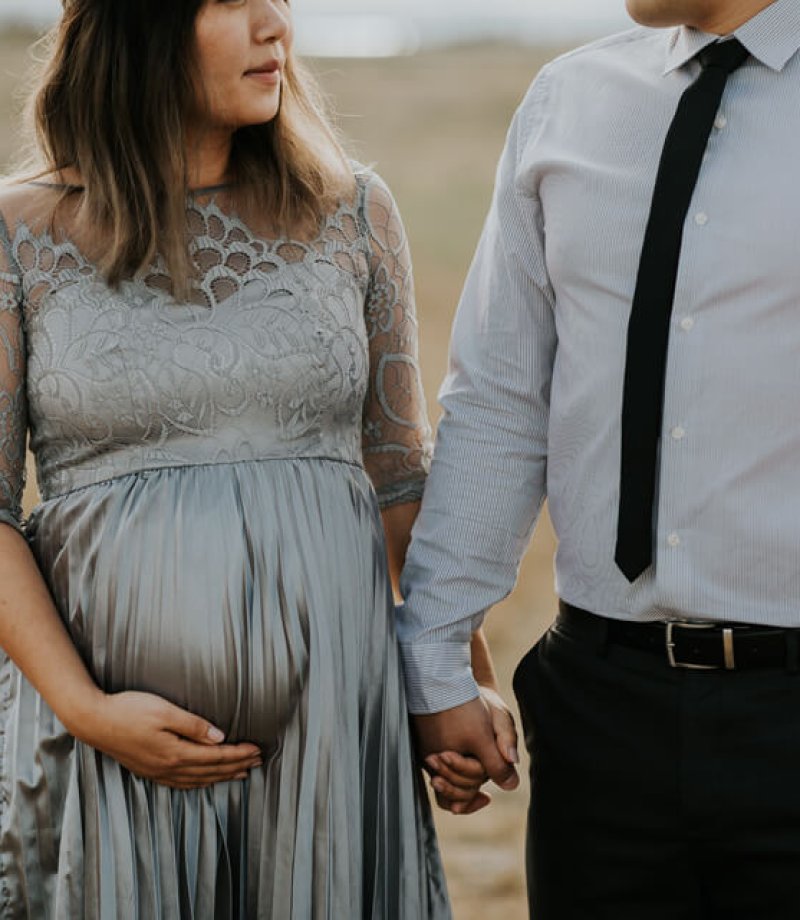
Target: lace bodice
{"x": 289, "y": 349}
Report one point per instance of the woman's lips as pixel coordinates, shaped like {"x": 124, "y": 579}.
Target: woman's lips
{"x": 269, "y": 74}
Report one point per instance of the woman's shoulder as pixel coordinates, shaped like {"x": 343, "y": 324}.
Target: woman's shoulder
{"x": 26, "y": 200}
{"x": 369, "y": 180}
{"x": 376, "y": 199}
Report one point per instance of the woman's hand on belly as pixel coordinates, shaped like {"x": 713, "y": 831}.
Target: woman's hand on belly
{"x": 161, "y": 742}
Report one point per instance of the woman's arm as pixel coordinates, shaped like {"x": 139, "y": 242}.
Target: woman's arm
{"x": 34, "y": 637}
{"x": 145, "y": 733}
{"x": 397, "y": 523}
{"x": 482, "y": 664}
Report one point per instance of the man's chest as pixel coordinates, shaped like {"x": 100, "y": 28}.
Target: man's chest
{"x": 595, "y": 173}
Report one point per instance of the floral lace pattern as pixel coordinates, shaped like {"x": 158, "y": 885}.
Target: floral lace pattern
{"x": 13, "y": 414}
{"x": 288, "y": 349}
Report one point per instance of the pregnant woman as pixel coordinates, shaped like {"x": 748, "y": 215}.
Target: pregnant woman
{"x": 207, "y": 327}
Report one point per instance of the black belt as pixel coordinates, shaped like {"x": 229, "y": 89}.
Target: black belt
{"x": 697, "y": 645}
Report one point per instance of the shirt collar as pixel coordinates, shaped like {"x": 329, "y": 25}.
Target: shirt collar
{"x": 772, "y": 37}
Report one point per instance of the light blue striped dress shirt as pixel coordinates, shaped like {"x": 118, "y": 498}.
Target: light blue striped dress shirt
{"x": 533, "y": 396}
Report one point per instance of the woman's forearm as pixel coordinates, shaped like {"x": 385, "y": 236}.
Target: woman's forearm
{"x": 397, "y": 523}
{"x": 482, "y": 664}
{"x": 33, "y": 635}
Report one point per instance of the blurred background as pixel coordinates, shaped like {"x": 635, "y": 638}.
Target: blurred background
{"x": 424, "y": 91}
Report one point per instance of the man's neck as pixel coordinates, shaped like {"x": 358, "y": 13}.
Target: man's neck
{"x": 728, "y": 17}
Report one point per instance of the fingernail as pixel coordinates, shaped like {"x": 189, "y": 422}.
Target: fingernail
{"x": 438, "y": 784}
{"x": 510, "y": 783}
{"x": 215, "y": 735}
{"x": 432, "y": 762}
{"x": 240, "y": 776}
{"x": 513, "y": 755}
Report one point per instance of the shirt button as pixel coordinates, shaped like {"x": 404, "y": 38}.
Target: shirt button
{"x": 720, "y": 121}
{"x": 678, "y": 433}
{"x": 687, "y": 323}
{"x": 701, "y": 219}
{"x": 674, "y": 540}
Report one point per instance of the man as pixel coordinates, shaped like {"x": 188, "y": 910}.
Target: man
{"x": 628, "y": 346}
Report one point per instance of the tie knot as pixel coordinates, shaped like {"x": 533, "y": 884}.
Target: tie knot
{"x": 727, "y": 55}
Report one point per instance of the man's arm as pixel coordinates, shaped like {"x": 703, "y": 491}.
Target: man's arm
{"x": 487, "y": 484}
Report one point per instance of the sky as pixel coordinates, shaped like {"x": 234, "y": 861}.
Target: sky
{"x": 540, "y": 19}
{"x": 382, "y": 28}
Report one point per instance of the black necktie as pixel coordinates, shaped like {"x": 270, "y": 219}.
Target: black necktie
{"x": 648, "y": 328}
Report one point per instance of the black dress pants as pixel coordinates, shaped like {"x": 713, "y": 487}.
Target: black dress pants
{"x": 658, "y": 794}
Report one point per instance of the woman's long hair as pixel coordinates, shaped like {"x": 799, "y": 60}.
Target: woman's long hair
{"x": 112, "y": 103}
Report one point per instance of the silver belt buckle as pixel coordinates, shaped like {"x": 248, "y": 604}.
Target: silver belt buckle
{"x": 727, "y": 646}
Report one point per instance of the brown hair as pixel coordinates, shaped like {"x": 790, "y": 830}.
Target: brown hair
{"x": 111, "y": 105}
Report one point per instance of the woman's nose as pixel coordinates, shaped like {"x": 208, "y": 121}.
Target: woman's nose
{"x": 271, "y": 20}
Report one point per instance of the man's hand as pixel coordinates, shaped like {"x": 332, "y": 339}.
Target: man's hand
{"x": 479, "y": 730}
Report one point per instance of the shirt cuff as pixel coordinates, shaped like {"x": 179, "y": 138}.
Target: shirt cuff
{"x": 438, "y": 676}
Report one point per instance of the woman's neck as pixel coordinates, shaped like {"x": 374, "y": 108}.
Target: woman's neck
{"x": 208, "y": 158}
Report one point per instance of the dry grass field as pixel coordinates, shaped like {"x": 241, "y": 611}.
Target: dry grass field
{"x": 434, "y": 126}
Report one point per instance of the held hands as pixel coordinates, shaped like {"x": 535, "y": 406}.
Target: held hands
{"x": 161, "y": 742}
{"x": 483, "y": 733}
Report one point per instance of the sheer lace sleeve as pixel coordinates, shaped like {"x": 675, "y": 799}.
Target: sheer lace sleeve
{"x": 396, "y": 435}
{"x": 13, "y": 414}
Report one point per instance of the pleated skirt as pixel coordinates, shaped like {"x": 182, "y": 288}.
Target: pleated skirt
{"x": 256, "y": 595}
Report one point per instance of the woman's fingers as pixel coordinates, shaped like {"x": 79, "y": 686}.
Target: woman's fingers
{"x": 181, "y": 776}
{"x": 214, "y": 774}
{"x": 505, "y": 731}
{"x": 459, "y": 807}
{"x": 188, "y": 725}
{"x": 460, "y": 771}
{"x": 185, "y": 753}
{"x": 451, "y": 791}
{"x": 481, "y": 800}
{"x": 203, "y": 783}
{"x": 199, "y": 730}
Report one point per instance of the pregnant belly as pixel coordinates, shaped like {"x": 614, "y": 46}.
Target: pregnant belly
{"x": 215, "y": 588}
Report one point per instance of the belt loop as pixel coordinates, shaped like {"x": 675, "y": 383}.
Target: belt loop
{"x": 792, "y": 651}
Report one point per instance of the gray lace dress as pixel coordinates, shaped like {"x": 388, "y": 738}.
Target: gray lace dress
{"x": 211, "y": 474}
